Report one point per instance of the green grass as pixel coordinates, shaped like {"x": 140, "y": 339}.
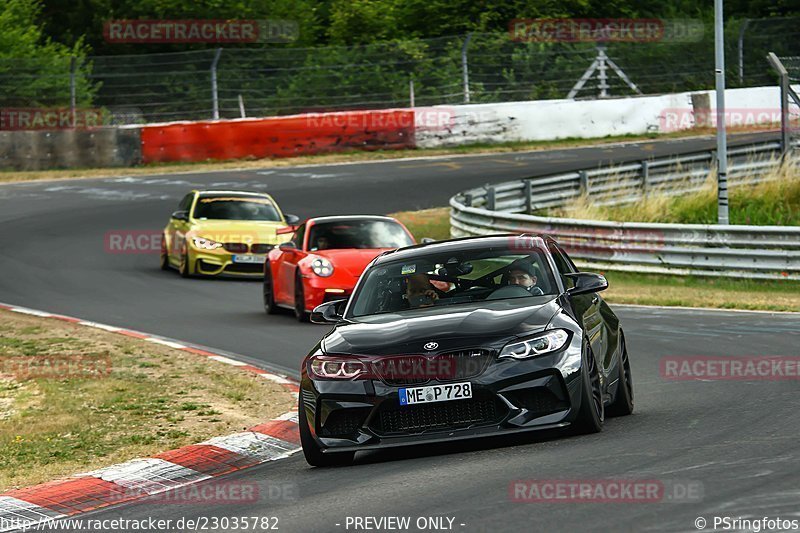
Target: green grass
{"x": 644, "y": 289}
{"x": 770, "y": 203}
{"x": 150, "y": 399}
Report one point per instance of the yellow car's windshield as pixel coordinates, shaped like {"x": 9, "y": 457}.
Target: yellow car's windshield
{"x": 236, "y": 208}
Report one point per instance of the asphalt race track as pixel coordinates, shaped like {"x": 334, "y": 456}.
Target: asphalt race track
{"x": 732, "y": 443}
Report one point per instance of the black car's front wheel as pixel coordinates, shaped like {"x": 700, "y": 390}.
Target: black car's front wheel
{"x": 311, "y": 449}
{"x": 591, "y": 414}
{"x": 623, "y": 400}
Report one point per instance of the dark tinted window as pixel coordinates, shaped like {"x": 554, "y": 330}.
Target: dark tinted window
{"x": 186, "y": 203}
{"x": 357, "y": 234}
{"x": 236, "y": 208}
{"x": 563, "y": 265}
{"x": 298, "y": 236}
{"x": 448, "y": 278}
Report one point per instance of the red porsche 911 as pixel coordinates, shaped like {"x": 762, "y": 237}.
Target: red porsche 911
{"x": 324, "y": 259}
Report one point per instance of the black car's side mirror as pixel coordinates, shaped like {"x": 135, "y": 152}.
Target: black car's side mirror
{"x": 287, "y": 246}
{"x": 329, "y": 312}
{"x": 181, "y": 215}
{"x": 586, "y": 283}
{"x": 291, "y": 220}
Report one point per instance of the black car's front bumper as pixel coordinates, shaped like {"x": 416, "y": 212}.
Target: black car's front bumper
{"x": 508, "y": 397}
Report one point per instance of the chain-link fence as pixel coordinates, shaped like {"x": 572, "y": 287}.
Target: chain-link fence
{"x": 275, "y": 80}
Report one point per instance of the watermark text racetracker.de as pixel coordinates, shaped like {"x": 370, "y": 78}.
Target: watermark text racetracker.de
{"x": 675, "y": 119}
{"x": 572, "y": 30}
{"x": 724, "y": 368}
{"x": 56, "y": 366}
{"x": 608, "y": 490}
{"x": 149, "y": 524}
{"x": 200, "y": 31}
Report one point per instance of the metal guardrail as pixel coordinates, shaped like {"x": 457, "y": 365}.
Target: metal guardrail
{"x": 771, "y": 252}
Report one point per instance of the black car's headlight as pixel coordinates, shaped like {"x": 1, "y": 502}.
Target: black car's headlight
{"x": 336, "y": 367}
{"x": 548, "y": 341}
{"x": 321, "y": 267}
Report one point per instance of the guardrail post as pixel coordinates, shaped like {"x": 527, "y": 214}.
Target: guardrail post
{"x": 491, "y": 198}
{"x": 645, "y": 178}
{"x": 526, "y": 194}
{"x": 584, "y": 177}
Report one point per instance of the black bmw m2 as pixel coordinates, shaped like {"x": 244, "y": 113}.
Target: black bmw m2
{"x": 461, "y": 339}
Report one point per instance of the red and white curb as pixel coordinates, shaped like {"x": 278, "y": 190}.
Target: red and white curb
{"x": 140, "y": 478}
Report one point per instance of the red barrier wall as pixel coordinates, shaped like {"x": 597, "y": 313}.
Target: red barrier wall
{"x": 278, "y": 136}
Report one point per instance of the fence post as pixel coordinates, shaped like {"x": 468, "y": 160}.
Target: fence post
{"x": 411, "y": 91}
{"x": 491, "y": 198}
{"x": 526, "y": 194}
{"x": 741, "y": 49}
{"x": 645, "y": 178}
{"x": 784, "y": 86}
{"x": 241, "y": 107}
{"x": 465, "y": 67}
{"x": 214, "y": 94}
{"x": 584, "y": 177}
{"x": 73, "y": 96}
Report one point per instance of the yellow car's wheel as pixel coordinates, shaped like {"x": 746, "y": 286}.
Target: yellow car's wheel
{"x": 164, "y": 255}
{"x": 184, "y": 267}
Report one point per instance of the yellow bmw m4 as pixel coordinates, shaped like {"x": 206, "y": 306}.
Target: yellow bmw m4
{"x": 223, "y": 233}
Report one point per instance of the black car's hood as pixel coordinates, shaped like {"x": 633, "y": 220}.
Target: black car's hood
{"x": 453, "y": 328}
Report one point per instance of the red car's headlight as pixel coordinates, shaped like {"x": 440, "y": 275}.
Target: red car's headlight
{"x": 336, "y": 367}
{"x": 321, "y": 267}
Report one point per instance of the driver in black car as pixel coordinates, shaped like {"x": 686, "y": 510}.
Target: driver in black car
{"x": 523, "y": 274}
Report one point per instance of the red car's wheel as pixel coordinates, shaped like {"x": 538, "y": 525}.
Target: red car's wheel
{"x": 300, "y": 299}
{"x": 269, "y": 293}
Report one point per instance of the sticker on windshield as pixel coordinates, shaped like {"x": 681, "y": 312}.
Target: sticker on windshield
{"x": 408, "y": 269}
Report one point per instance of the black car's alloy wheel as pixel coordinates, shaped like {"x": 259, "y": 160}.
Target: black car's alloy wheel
{"x": 299, "y": 300}
{"x": 269, "y": 295}
{"x": 623, "y": 401}
{"x": 591, "y": 414}
{"x": 311, "y": 450}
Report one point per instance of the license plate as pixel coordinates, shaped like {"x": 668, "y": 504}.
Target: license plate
{"x": 249, "y": 258}
{"x": 435, "y": 393}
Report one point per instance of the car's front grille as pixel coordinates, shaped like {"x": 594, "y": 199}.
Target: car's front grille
{"x": 538, "y": 400}
{"x": 344, "y": 423}
{"x": 245, "y": 268}
{"x": 261, "y": 248}
{"x": 439, "y": 415}
{"x": 418, "y": 369}
{"x": 207, "y": 268}
{"x": 235, "y": 247}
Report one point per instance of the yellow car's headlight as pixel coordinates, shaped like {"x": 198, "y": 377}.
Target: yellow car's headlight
{"x": 202, "y": 243}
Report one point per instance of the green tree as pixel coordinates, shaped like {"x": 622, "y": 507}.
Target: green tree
{"x": 34, "y": 70}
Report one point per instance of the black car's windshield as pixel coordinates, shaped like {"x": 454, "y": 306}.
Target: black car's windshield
{"x": 450, "y": 278}
{"x": 357, "y": 234}
{"x": 236, "y": 208}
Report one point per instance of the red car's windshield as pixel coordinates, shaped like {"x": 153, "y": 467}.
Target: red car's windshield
{"x": 363, "y": 234}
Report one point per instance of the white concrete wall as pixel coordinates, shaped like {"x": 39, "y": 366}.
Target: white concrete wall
{"x": 559, "y": 119}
